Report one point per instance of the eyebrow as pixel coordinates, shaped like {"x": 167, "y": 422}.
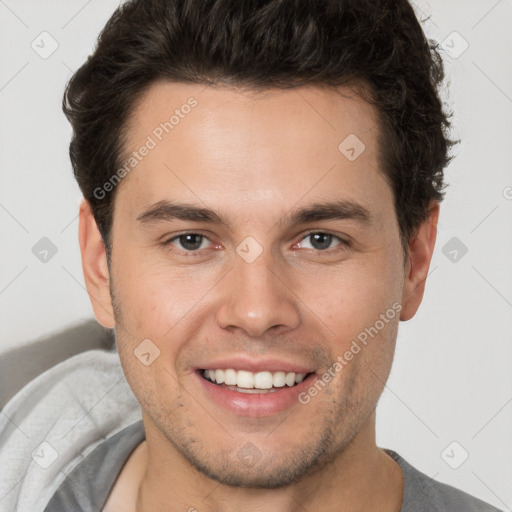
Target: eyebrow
{"x": 166, "y": 211}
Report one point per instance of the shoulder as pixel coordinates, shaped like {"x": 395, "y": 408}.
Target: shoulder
{"x": 54, "y": 421}
{"x": 424, "y": 494}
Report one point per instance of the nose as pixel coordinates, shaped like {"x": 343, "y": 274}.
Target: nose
{"x": 256, "y": 298}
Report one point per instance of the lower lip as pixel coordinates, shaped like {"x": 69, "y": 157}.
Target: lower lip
{"x": 255, "y": 404}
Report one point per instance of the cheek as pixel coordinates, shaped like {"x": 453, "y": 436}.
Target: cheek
{"x": 153, "y": 382}
{"x": 164, "y": 306}
{"x": 351, "y": 297}
{"x": 155, "y": 297}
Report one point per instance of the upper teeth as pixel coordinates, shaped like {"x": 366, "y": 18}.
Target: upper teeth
{"x": 260, "y": 380}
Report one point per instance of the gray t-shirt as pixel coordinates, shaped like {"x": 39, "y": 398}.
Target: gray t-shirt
{"x": 87, "y": 487}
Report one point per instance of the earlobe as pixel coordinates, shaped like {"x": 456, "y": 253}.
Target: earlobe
{"x": 421, "y": 248}
{"x": 94, "y": 266}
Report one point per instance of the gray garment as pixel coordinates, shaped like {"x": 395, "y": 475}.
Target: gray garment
{"x": 88, "y": 486}
{"x": 56, "y": 421}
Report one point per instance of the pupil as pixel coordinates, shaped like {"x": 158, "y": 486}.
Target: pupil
{"x": 191, "y": 242}
{"x": 321, "y": 240}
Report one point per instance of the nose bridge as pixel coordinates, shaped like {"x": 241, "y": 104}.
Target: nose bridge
{"x": 257, "y": 297}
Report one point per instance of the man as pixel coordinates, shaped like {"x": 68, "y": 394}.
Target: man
{"x": 261, "y": 189}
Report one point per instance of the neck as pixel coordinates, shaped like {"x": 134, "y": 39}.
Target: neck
{"x": 362, "y": 477}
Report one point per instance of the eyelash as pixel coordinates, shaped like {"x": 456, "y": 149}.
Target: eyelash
{"x": 198, "y": 252}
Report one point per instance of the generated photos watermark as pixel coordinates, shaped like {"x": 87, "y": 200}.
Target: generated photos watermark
{"x": 355, "y": 348}
{"x": 152, "y": 141}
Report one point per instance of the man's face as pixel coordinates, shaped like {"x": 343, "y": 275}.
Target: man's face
{"x": 211, "y": 301}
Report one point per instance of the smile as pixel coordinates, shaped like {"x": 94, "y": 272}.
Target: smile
{"x": 250, "y": 382}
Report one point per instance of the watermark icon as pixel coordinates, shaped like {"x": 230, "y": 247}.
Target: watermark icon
{"x": 454, "y": 45}
{"x": 454, "y": 249}
{"x": 352, "y": 147}
{"x": 249, "y": 249}
{"x": 249, "y": 454}
{"x": 455, "y": 455}
{"x": 44, "y": 45}
{"x": 44, "y": 250}
{"x": 45, "y": 455}
{"x": 151, "y": 142}
{"x": 343, "y": 360}
{"x": 147, "y": 352}
{"x": 507, "y": 193}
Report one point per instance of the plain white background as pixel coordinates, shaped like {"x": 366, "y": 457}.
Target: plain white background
{"x": 450, "y": 391}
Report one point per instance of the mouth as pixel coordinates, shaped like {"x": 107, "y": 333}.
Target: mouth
{"x": 247, "y": 387}
{"x": 262, "y": 382}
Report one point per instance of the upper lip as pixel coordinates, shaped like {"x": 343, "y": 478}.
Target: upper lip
{"x": 255, "y": 366}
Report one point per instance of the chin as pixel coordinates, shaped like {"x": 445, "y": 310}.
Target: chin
{"x": 250, "y": 467}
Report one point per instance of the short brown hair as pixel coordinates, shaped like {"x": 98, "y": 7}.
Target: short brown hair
{"x": 263, "y": 44}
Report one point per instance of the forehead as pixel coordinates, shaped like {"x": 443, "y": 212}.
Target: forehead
{"x": 311, "y": 111}
{"x": 258, "y": 148}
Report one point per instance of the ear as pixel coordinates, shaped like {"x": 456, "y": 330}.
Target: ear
{"x": 421, "y": 247}
{"x": 95, "y": 268}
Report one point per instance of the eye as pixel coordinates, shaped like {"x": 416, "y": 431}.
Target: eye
{"x": 188, "y": 241}
{"x": 320, "y": 241}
